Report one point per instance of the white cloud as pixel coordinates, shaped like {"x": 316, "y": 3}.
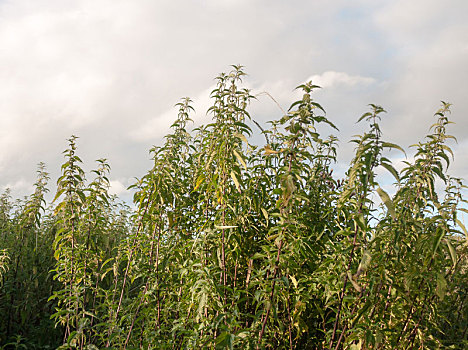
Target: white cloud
{"x": 330, "y": 79}
{"x": 117, "y": 187}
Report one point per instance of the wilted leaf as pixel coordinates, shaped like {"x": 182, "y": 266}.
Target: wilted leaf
{"x": 354, "y": 283}
{"x": 240, "y": 159}
{"x": 236, "y": 182}
{"x": 269, "y": 151}
{"x": 294, "y": 281}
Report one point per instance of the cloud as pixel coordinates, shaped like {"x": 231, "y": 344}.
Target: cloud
{"x": 413, "y": 24}
{"x": 430, "y": 41}
{"x": 332, "y": 79}
{"x": 117, "y": 188}
{"x": 157, "y": 127}
{"x": 111, "y": 71}
{"x": 21, "y": 185}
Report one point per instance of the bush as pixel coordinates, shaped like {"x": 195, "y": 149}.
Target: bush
{"x": 237, "y": 245}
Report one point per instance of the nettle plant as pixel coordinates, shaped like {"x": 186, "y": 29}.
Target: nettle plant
{"x": 256, "y": 246}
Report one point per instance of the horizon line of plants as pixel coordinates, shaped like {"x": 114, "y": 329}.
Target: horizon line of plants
{"x": 243, "y": 246}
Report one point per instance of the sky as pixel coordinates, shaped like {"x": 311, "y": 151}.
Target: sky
{"x": 111, "y": 71}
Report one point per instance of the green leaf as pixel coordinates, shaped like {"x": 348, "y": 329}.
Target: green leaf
{"x": 392, "y": 146}
{"x": 441, "y": 288}
{"x": 365, "y": 115}
{"x": 224, "y": 340}
{"x": 440, "y": 233}
{"x": 387, "y": 201}
{"x": 360, "y": 222}
{"x": 391, "y": 170}
{"x": 452, "y": 252}
{"x": 462, "y": 227}
{"x": 448, "y": 149}
{"x": 200, "y": 180}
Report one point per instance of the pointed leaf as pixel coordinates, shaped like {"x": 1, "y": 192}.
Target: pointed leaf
{"x": 440, "y": 233}
{"x": 387, "y": 201}
{"x": 441, "y": 288}
{"x": 241, "y": 136}
{"x": 462, "y": 227}
{"x": 452, "y": 252}
{"x": 236, "y": 182}
{"x": 392, "y": 145}
{"x": 391, "y": 170}
{"x": 240, "y": 159}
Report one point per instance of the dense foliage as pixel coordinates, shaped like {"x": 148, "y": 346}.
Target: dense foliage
{"x": 237, "y": 245}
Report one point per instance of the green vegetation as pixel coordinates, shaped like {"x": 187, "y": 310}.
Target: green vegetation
{"x": 236, "y": 245}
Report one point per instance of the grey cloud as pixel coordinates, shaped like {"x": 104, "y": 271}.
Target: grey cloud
{"x": 111, "y": 71}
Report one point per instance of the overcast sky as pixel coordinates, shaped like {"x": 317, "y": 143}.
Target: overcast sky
{"x": 110, "y": 71}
